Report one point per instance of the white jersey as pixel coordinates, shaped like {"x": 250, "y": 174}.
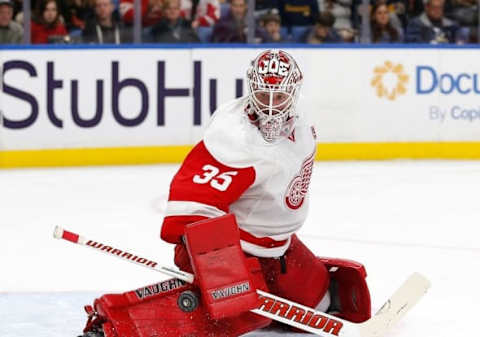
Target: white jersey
{"x": 234, "y": 170}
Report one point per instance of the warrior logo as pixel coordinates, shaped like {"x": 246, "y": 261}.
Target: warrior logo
{"x": 298, "y": 187}
{"x": 121, "y": 253}
{"x": 301, "y": 315}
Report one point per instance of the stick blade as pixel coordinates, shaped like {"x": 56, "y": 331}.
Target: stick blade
{"x": 411, "y": 291}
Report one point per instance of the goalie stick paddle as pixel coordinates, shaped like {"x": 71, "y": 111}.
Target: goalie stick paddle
{"x": 286, "y": 311}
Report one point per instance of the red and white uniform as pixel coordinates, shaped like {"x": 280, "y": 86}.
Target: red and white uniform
{"x": 234, "y": 170}
{"x": 207, "y": 13}
{"x": 255, "y": 162}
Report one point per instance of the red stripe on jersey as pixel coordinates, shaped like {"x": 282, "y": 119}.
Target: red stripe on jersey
{"x": 263, "y": 242}
{"x": 203, "y": 179}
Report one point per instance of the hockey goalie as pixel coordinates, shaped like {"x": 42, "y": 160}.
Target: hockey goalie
{"x": 234, "y": 207}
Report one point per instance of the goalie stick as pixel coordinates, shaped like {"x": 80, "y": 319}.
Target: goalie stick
{"x": 286, "y": 311}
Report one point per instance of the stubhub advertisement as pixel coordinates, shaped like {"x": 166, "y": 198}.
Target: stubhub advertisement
{"x": 76, "y": 98}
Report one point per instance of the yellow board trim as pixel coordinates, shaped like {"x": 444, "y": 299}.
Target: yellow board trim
{"x": 175, "y": 154}
{"x": 93, "y": 156}
{"x": 412, "y": 150}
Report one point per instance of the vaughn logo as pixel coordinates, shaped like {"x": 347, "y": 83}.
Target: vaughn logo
{"x": 230, "y": 291}
{"x": 389, "y": 80}
{"x": 159, "y": 288}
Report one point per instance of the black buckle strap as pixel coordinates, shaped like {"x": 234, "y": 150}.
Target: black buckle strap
{"x": 283, "y": 264}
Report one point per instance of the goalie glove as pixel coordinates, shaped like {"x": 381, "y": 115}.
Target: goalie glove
{"x": 220, "y": 267}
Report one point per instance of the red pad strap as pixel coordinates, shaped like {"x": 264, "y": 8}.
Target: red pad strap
{"x": 220, "y": 266}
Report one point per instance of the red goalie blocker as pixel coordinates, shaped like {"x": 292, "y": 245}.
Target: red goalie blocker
{"x": 220, "y": 266}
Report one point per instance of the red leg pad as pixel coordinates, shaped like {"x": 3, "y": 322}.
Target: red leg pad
{"x": 109, "y": 330}
{"x": 351, "y": 288}
{"x": 305, "y": 279}
{"x": 220, "y": 266}
{"x": 153, "y": 311}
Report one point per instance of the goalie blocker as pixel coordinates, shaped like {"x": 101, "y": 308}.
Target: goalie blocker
{"x": 217, "y": 303}
{"x": 220, "y": 267}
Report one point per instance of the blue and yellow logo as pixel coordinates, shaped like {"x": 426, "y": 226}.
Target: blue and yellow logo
{"x": 392, "y": 71}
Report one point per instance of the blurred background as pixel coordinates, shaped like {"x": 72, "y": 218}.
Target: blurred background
{"x": 239, "y": 21}
{"x": 100, "y": 101}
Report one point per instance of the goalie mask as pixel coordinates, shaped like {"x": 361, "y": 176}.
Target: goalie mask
{"x": 274, "y": 80}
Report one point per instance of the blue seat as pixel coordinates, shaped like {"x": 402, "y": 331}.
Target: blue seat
{"x": 205, "y": 34}
{"x": 298, "y": 32}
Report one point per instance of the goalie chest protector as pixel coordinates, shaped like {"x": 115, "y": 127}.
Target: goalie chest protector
{"x": 234, "y": 170}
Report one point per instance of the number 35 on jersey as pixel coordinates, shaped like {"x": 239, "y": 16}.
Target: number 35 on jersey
{"x": 217, "y": 180}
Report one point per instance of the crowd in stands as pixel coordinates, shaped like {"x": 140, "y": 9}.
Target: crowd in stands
{"x": 226, "y": 21}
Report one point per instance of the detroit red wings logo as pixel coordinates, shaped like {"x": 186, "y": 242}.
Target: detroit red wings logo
{"x": 298, "y": 187}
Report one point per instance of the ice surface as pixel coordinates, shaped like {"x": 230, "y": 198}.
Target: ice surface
{"x": 394, "y": 216}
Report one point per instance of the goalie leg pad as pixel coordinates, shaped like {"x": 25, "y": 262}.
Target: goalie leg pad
{"x": 300, "y": 277}
{"x": 154, "y": 311}
{"x": 220, "y": 266}
{"x": 348, "y": 290}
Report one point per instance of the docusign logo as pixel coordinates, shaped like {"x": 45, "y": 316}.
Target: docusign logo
{"x": 389, "y": 80}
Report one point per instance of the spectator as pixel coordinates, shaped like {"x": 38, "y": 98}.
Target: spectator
{"x": 17, "y": 8}
{"x": 72, "y": 13}
{"x": 432, "y": 26}
{"x": 233, "y": 27}
{"x": 323, "y": 31}
{"x": 172, "y": 28}
{"x": 104, "y": 27}
{"x": 298, "y": 12}
{"x": 396, "y": 9}
{"x": 151, "y": 11}
{"x": 207, "y": 12}
{"x": 413, "y": 9}
{"x": 263, "y": 7}
{"x": 47, "y": 25}
{"x": 381, "y": 28}
{"x": 341, "y": 10}
{"x": 10, "y": 31}
{"x": 271, "y": 24}
{"x": 465, "y": 12}
{"x": 76, "y": 13}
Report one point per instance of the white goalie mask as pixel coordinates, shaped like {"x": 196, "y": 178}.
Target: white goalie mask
{"x": 274, "y": 81}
